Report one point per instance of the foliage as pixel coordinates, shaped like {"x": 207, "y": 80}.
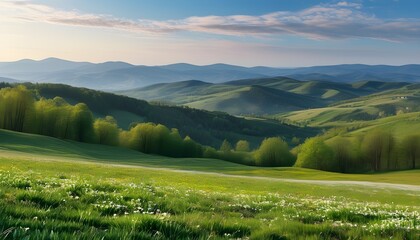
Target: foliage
{"x": 411, "y": 147}
{"x": 106, "y": 131}
{"x": 315, "y": 154}
{"x": 226, "y": 146}
{"x": 274, "y": 152}
{"x": 16, "y": 108}
{"x": 208, "y": 128}
{"x": 373, "y": 148}
{"x": 242, "y": 146}
{"x": 342, "y": 148}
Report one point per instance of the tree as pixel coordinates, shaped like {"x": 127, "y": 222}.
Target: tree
{"x": 273, "y": 152}
{"x": 16, "y": 108}
{"x": 373, "y": 147}
{"x": 82, "y": 123}
{"x": 315, "y": 154}
{"x": 411, "y": 148}
{"x": 106, "y": 131}
{"x": 192, "y": 149}
{"x": 389, "y": 146}
{"x": 341, "y": 147}
{"x": 142, "y": 138}
{"x": 226, "y": 146}
{"x": 295, "y": 141}
{"x": 242, "y": 146}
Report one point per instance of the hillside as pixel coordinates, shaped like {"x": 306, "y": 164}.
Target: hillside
{"x": 209, "y": 128}
{"x": 125, "y": 76}
{"x": 375, "y": 106}
{"x": 254, "y": 99}
{"x": 42, "y": 148}
{"x": 117, "y": 75}
{"x": 8, "y": 80}
{"x": 60, "y": 189}
{"x": 258, "y": 96}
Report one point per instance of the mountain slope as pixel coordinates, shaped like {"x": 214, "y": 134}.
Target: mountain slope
{"x": 8, "y": 80}
{"x": 124, "y": 76}
{"x": 375, "y": 106}
{"x": 42, "y": 66}
{"x": 259, "y": 95}
{"x": 209, "y": 128}
{"x": 255, "y": 100}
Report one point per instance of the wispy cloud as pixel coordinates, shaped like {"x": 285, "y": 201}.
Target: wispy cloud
{"x": 340, "y": 20}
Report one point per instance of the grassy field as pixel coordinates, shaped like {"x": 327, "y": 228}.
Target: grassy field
{"x": 362, "y": 109}
{"x": 53, "y": 189}
{"x": 36, "y": 147}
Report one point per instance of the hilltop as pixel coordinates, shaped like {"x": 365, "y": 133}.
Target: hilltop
{"x": 260, "y": 96}
{"x": 124, "y": 76}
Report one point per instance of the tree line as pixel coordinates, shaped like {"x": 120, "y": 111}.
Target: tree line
{"x": 20, "y": 111}
{"x": 376, "y": 151}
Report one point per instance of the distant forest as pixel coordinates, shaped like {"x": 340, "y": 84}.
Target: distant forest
{"x": 21, "y": 110}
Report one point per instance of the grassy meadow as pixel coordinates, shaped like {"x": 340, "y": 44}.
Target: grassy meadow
{"x": 54, "y": 189}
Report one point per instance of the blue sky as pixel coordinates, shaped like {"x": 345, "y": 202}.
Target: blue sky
{"x": 282, "y": 33}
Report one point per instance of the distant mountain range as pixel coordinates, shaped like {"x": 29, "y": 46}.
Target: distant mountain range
{"x": 121, "y": 75}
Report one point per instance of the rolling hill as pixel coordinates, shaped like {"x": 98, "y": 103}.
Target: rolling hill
{"x": 258, "y": 96}
{"x": 117, "y": 75}
{"x": 256, "y": 100}
{"x": 54, "y": 189}
{"x": 8, "y": 80}
{"x": 375, "y": 106}
{"x": 124, "y": 76}
{"x": 209, "y": 128}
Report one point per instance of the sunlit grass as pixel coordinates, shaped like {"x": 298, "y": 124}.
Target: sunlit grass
{"x": 95, "y": 201}
{"x": 54, "y": 189}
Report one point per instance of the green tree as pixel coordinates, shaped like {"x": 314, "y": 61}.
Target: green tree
{"x": 82, "y": 123}
{"x": 106, "y": 131}
{"x": 411, "y": 148}
{"x": 16, "y": 108}
{"x": 295, "y": 141}
{"x": 226, "y": 146}
{"x": 242, "y": 146}
{"x": 389, "y": 146}
{"x": 192, "y": 149}
{"x": 142, "y": 139}
{"x": 373, "y": 148}
{"x": 315, "y": 154}
{"x": 273, "y": 152}
{"x": 342, "y": 153}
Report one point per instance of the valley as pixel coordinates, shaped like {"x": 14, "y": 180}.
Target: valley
{"x": 157, "y": 159}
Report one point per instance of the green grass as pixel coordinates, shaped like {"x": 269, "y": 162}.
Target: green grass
{"x": 54, "y": 189}
{"x": 29, "y": 146}
{"x": 362, "y": 109}
{"x": 42, "y": 199}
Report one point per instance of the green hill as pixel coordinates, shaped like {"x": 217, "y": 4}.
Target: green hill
{"x": 53, "y": 189}
{"x": 258, "y": 96}
{"x": 16, "y": 145}
{"x": 209, "y": 128}
{"x": 375, "y": 106}
{"x": 255, "y": 99}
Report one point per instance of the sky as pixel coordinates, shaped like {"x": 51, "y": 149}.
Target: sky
{"x": 278, "y": 33}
